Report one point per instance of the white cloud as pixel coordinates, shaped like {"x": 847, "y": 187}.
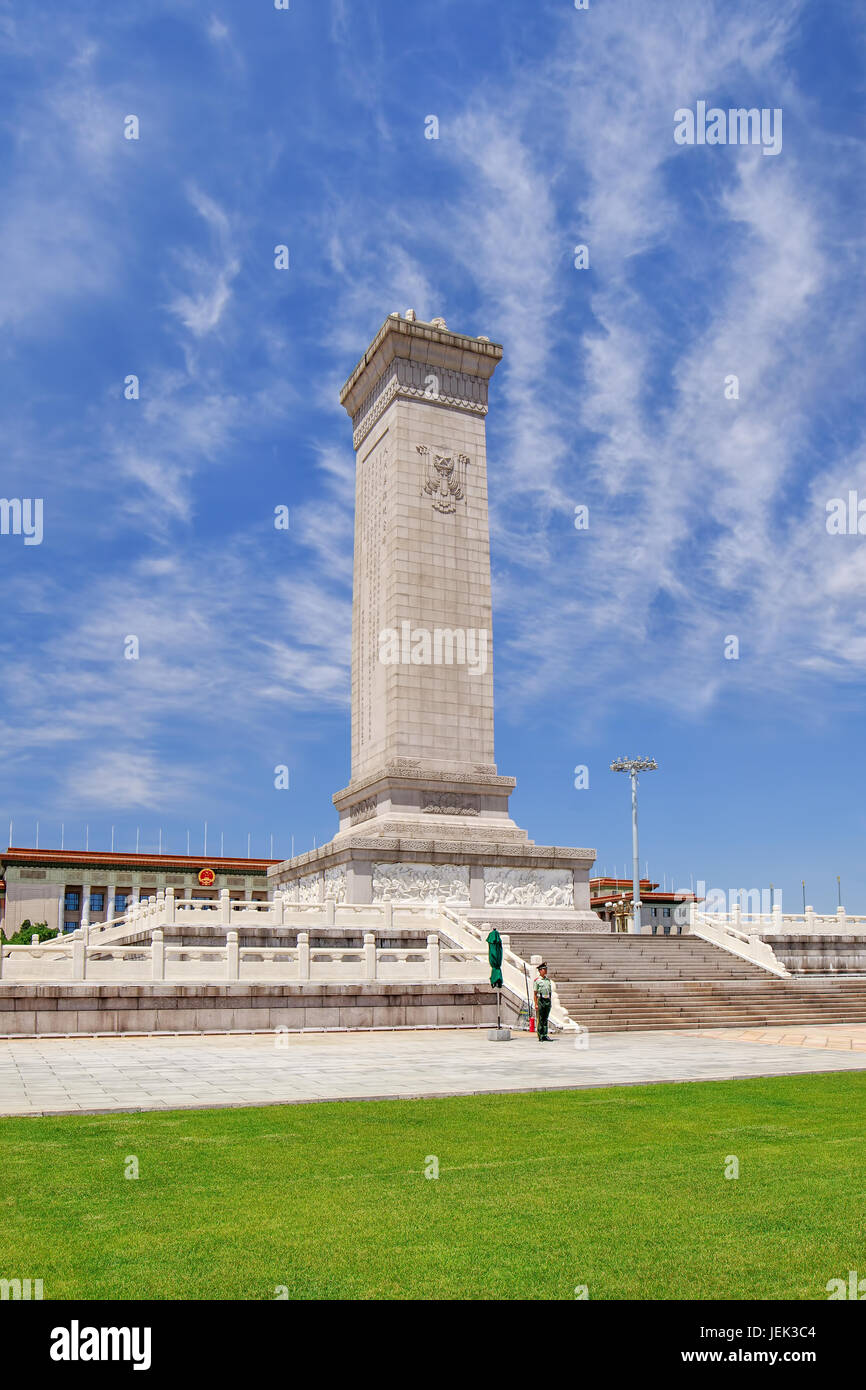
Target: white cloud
{"x": 121, "y": 780}
{"x": 223, "y": 646}
{"x": 201, "y": 309}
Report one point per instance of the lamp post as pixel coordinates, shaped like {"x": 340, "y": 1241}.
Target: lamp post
{"x": 633, "y": 766}
{"x": 618, "y": 909}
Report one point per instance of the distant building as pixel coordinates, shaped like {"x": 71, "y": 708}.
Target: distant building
{"x": 62, "y": 886}
{"x": 611, "y": 898}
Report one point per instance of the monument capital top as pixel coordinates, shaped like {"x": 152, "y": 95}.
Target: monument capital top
{"x": 430, "y": 343}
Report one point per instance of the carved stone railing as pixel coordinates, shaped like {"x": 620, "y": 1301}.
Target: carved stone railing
{"x": 778, "y": 923}
{"x": 165, "y": 910}
{"x": 158, "y": 960}
{"x": 718, "y": 931}
{"x": 763, "y": 925}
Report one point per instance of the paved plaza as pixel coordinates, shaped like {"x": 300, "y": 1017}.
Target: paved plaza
{"x": 844, "y": 1037}
{"x": 49, "y": 1076}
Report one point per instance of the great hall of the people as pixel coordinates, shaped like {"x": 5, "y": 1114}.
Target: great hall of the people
{"x": 65, "y": 887}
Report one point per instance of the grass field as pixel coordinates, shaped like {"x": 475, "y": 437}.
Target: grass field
{"x": 620, "y": 1190}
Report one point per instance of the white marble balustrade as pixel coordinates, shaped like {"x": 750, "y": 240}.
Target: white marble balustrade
{"x": 159, "y": 960}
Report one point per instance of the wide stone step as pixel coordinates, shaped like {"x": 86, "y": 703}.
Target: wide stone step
{"x": 705, "y": 1016}
{"x": 706, "y": 1002}
{"x": 752, "y": 989}
{"x": 621, "y": 983}
{"x": 569, "y": 970}
{"x": 634, "y": 1011}
{"x": 690, "y": 1025}
{"x": 803, "y": 1020}
{"x": 600, "y": 975}
{"x": 776, "y": 985}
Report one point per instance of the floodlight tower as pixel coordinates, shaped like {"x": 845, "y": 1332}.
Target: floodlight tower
{"x": 633, "y": 766}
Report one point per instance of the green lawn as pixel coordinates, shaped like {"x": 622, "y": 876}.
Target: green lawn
{"x": 622, "y": 1190}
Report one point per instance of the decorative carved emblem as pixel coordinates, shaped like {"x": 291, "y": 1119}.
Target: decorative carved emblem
{"x": 444, "y": 478}
{"x": 450, "y": 804}
{"x": 362, "y": 810}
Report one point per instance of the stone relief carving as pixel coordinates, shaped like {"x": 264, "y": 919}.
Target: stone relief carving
{"x": 363, "y": 810}
{"x": 443, "y": 479}
{"x": 310, "y": 888}
{"x": 335, "y": 883}
{"x": 420, "y": 883}
{"x": 449, "y": 804}
{"x": 528, "y": 887}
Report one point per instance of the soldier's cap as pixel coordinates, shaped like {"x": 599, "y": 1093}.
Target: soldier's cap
{"x": 542, "y": 966}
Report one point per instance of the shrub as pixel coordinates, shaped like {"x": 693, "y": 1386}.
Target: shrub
{"x": 28, "y": 930}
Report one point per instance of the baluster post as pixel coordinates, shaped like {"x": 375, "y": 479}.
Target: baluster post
{"x": 157, "y": 954}
{"x": 370, "y": 955}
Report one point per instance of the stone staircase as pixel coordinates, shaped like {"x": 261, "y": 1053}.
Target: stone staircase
{"x": 627, "y": 983}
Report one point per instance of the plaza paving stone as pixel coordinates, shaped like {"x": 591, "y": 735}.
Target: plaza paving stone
{"x": 80, "y": 1075}
{"x": 845, "y": 1037}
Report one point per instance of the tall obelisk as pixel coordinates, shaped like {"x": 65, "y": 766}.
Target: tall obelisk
{"x": 425, "y": 815}
{"x": 422, "y": 651}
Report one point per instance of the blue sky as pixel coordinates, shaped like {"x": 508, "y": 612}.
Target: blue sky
{"x": 707, "y": 515}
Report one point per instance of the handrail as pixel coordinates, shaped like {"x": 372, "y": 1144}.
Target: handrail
{"x": 730, "y": 937}
{"x": 777, "y": 923}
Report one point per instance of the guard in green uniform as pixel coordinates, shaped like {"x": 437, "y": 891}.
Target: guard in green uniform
{"x": 543, "y": 1002}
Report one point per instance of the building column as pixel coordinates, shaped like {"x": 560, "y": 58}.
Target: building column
{"x": 476, "y": 885}
{"x": 110, "y": 895}
{"x": 85, "y": 903}
{"x": 580, "y": 880}
{"x": 359, "y": 881}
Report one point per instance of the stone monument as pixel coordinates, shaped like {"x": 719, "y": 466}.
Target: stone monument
{"x": 425, "y": 815}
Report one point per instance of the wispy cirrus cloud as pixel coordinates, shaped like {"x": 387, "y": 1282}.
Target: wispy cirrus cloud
{"x": 201, "y": 309}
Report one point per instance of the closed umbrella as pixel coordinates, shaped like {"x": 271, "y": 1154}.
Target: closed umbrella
{"x": 494, "y": 957}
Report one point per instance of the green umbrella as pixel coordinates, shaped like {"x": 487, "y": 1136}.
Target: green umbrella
{"x": 494, "y": 958}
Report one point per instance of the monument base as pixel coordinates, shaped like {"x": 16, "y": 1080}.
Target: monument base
{"x": 516, "y": 886}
